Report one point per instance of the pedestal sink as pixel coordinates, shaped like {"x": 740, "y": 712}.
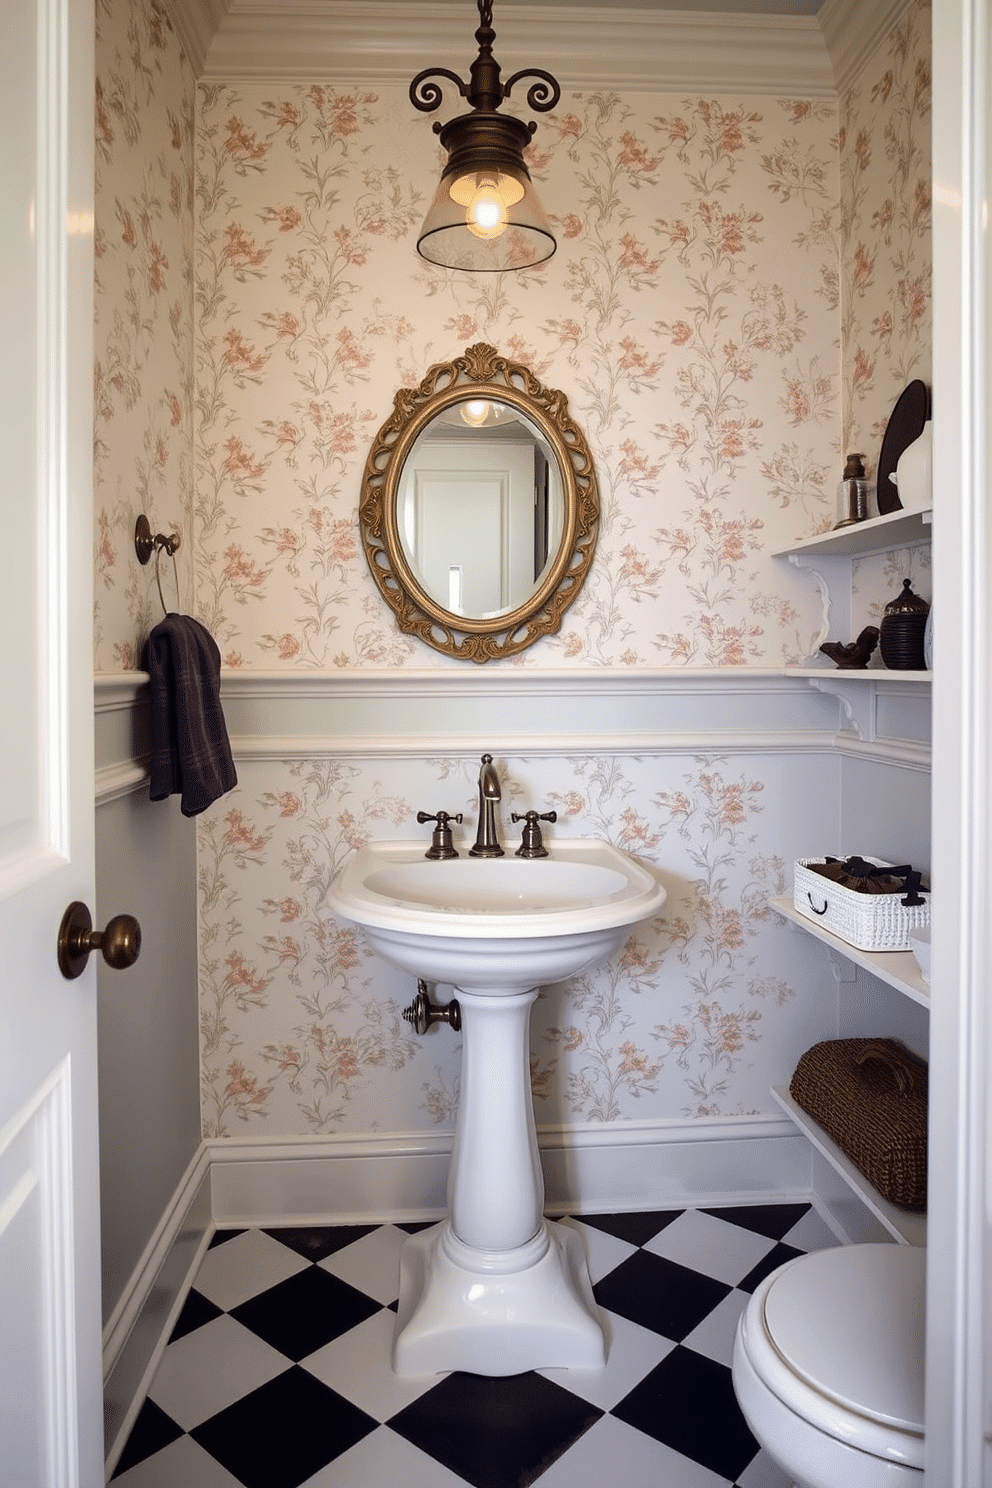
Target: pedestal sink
{"x": 495, "y": 1288}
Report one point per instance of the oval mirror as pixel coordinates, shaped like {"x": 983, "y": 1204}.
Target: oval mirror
{"x": 479, "y": 507}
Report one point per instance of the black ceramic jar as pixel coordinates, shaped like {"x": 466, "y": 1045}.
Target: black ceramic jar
{"x": 902, "y": 630}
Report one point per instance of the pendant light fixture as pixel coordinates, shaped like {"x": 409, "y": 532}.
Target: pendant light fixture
{"x": 485, "y": 214}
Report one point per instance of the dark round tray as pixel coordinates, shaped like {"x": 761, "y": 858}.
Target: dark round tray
{"x": 911, "y": 411}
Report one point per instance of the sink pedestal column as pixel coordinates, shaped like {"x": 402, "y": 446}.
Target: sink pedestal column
{"x": 495, "y": 1288}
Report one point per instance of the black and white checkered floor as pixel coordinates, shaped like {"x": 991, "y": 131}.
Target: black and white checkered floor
{"x": 277, "y": 1374}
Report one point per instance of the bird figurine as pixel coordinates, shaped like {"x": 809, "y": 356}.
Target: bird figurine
{"x": 855, "y": 655}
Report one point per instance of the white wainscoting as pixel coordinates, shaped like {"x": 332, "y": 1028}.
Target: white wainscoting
{"x": 140, "y": 1325}
{"x": 375, "y": 1177}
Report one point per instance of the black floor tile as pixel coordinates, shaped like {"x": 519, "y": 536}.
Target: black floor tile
{"x": 283, "y": 1433}
{"x": 299, "y": 1315}
{"x": 196, "y": 1311}
{"x": 152, "y": 1431}
{"x": 636, "y": 1228}
{"x": 688, "y": 1402}
{"x": 660, "y": 1294}
{"x": 496, "y": 1433}
{"x": 221, "y": 1237}
{"x": 491, "y": 1433}
{"x": 777, "y": 1256}
{"x": 772, "y": 1220}
{"x": 316, "y": 1242}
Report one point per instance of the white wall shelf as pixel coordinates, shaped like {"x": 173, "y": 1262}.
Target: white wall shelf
{"x": 902, "y": 1224}
{"x": 828, "y": 558}
{"x": 856, "y": 674}
{"x": 898, "y": 968}
{"x": 892, "y": 530}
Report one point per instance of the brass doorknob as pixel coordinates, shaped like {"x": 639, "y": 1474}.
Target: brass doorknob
{"x": 119, "y": 944}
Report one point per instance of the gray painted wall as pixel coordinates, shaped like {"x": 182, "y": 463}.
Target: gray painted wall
{"x": 148, "y": 1027}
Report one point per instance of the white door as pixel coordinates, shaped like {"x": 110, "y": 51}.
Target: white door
{"x": 469, "y": 523}
{"x": 50, "y": 1366}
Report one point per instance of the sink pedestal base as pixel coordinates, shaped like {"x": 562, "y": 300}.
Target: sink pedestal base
{"x": 495, "y": 1288}
{"x": 456, "y": 1314}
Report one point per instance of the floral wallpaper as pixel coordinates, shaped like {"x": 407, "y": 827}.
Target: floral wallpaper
{"x": 259, "y": 301}
{"x": 885, "y": 171}
{"x": 690, "y": 315}
{"x": 143, "y": 375}
{"x": 301, "y": 1024}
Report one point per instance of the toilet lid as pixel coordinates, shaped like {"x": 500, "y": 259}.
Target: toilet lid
{"x": 849, "y": 1322}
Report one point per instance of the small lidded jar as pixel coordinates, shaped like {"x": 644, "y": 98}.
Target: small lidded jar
{"x": 902, "y": 632}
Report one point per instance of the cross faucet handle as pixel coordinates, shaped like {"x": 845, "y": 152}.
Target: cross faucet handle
{"x": 441, "y": 843}
{"x": 532, "y": 845}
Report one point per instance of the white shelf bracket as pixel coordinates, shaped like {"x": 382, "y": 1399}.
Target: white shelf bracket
{"x": 858, "y": 700}
{"x": 845, "y": 972}
{"x": 800, "y": 560}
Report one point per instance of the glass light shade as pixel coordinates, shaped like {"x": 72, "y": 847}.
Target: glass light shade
{"x": 484, "y": 221}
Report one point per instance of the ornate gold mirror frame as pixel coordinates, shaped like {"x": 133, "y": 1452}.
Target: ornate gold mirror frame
{"x": 480, "y": 373}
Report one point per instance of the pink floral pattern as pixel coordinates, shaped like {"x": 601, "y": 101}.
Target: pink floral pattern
{"x": 710, "y": 252}
{"x": 301, "y": 1025}
{"x": 885, "y": 229}
{"x": 687, "y": 341}
{"x": 143, "y": 375}
{"x": 886, "y": 253}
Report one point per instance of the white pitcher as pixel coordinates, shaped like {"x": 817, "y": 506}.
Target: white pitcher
{"x": 913, "y": 475}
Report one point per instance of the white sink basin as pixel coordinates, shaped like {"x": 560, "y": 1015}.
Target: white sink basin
{"x": 500, "y": 923}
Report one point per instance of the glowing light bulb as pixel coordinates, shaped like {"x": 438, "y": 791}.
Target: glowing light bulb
{"x": 487, "y": 198}
{"x": 487, "y": 214}
{"x": 475, "y": 411}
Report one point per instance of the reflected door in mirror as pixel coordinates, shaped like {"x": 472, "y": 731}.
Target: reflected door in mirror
{"x": 469, "y": 524}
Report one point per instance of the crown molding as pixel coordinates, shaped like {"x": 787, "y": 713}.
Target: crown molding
{"x": 196, "y": 23}
{"x": 853, "y": 30}
{"x": 348, "y": 41}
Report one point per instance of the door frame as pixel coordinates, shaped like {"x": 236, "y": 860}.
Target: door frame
{"x": 959, "y": 1281}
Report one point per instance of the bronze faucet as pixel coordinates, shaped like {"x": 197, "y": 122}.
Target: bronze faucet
{"x": 486, "y": 838}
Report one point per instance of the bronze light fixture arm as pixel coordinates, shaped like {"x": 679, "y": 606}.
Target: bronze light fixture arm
{"x": 484, "y": 90}
{"x": 485, "y": 153}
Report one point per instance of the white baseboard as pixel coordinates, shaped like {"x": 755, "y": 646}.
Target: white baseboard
{"x": 139, "y": 1327}
{"x": 592, "y": 1169}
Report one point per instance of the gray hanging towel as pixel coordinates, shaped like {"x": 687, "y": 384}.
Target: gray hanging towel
{"x": 191, "y": 752}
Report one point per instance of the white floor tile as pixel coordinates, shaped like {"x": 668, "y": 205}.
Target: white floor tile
{"x": 384, "y": 1458}
{"x": 612, "y": 1452}
{"x": 243, "y": 1266}
{"x": 210, "y": 1368}
{"x": 762, "y": 1472}
{"x": 603, "y": 1252}
{"x": 181, "y": 1465}
{"x": 811, "y": 1233}
{"x": 714, "y": 1337}
{"x": 704, "y": 1243}
{"x": 371, "y": 1264}
{"x": 633, "y": 1353}
{"x": 358, "y": 1365}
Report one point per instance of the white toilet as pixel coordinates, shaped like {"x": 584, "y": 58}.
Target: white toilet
{"x": 828, "y": 1367}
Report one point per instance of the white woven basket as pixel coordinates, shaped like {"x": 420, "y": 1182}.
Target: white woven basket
{"x": 871, "y": 922}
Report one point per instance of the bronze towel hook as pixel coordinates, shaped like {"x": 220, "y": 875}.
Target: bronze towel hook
{"x": 145, "y": 544}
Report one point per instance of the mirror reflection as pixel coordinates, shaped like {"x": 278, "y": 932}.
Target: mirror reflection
{"x": 481, "y": 508}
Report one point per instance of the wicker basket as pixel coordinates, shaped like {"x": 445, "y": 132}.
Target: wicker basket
{"x": 870, "y": 1097}
{"x": 871, "y": 922}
